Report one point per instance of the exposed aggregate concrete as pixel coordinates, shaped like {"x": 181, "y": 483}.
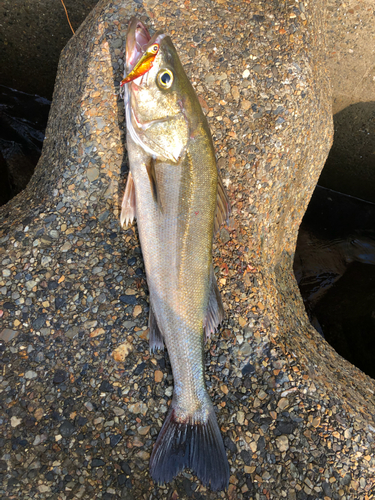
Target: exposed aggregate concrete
{"x": 82, "y": 399}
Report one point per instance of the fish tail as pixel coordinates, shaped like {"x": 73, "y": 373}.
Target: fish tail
{"x": 197, "y": 446}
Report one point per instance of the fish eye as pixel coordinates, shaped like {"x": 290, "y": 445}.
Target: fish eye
{"x": 165, "y": 78}
{"x": 155, "y": 48}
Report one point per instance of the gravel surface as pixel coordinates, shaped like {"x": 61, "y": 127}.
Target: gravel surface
{"x": 82, "y": 400}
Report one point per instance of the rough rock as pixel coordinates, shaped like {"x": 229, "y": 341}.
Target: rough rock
{"x": 271, "y": 154}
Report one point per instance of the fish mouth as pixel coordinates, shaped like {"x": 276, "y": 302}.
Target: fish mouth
{"x": 137, "y": 41}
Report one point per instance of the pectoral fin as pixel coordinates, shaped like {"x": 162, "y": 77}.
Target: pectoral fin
{"x": 128, "y": 203}
{"x": 152, "y": 177}
{"x": 223, "y": 205}
{"x": 215, "y": 309}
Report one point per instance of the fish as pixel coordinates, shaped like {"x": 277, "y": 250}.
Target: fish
{"x": 175, "y": 192}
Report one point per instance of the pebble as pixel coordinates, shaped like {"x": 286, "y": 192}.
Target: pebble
{"x": 7, "y": 335}
{"x": 122, "y": 351}
{"x": 15, "y": 421}
{"x": 282, "y": 443}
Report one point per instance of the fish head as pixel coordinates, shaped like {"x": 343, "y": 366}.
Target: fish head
{"x": 159, "y": 111}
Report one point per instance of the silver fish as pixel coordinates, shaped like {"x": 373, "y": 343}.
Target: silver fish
{"x": 177, "y": 196}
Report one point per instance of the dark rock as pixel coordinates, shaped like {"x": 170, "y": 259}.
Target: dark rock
{"x": 248, "y": 369}
{"x": 67, "y": 429}
{"x": 39, "y": 322}
{"x": 246, "y": 457}
{"x": 139, "y": 369}
{"x": 60, "y": 376}
{"x": 128, "y": 299}
{"x": 105, "y": 386}
{"x": 97, "y": 462}
{"x": 327, "y": 489}
{"x": 228, "y": 443}
{"x": 285, "y": 428}
{"x": 81, "y": 421}
{"x": 125, "y": 467}
{"x": 115, "y": 439}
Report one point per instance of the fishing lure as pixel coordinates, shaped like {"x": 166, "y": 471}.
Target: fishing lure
{"x": 143, "y": 65}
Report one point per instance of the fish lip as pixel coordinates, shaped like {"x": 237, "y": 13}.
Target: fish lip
{"x": 137, "y": 40}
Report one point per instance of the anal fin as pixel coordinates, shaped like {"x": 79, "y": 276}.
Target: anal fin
{"x": 223, "y": 205}
{"x": 155, "y": 336}
{"x": 128, "y": 211}
{"x": 215, "y": 309}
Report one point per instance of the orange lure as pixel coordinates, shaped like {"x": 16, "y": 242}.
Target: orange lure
{"x": 143, "y": 65}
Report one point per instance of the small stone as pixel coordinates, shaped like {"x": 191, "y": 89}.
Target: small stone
{"x": 6, "y": 273}
{"x": 117, "y": 44}
{"x": 115, "y": 439}
{"x": 72, "y": 332}
{"x": 282, "y": 442}
{"x": 89, "y": 406}
{"x": 316, "y": 422}
{"x": 245, "y": 349}
{"x": 122, "y": 351}
{"x": 138, "y": 408}
{"x": 143, "y": 455}
{"x": 30, "y": 374}
{"x": 137, "y": 311}
{"x": 245, "y": 105}
{"x": 45, "y": 261}
{"x": 235, "y": 93}
{"x": 67, "y": 429}
{"x": 347, "y": 434}
{"x": 143, "y": 431}
{"x": 253, "y": 446}
{"x": 249, "y": 469}
{"x": 158, "y": 376}
{"x": 92, "y": 174}
{"x": 224, "y": 389}
{"x": 283, "y": 403}
{"x": 242, "y": 321}
{"x": 240, "y": 417}
{"x": 30, "y": 285}
{"x": 15, "y": 421}
{"x": 246, "y": 73}
{"x": 97, "y": 462}
{"x": 96, "y": 332}
{"x": 43, "y": 488}
{"x": 60, "y": 376}
{"x": 262, "y": 394}
{"x": 7, "y": 335}
{"x": 224, "y": 235}
{"x": 38, "y": 414}
{"x": 66, "y": 247}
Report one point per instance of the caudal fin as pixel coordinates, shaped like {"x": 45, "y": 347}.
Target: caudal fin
{"x": 195, "y": 446}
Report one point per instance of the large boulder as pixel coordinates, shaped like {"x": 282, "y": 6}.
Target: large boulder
{"x": 82, "y": 398}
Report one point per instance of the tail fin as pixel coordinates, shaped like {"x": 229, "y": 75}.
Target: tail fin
{"x": 195, "y": 446}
